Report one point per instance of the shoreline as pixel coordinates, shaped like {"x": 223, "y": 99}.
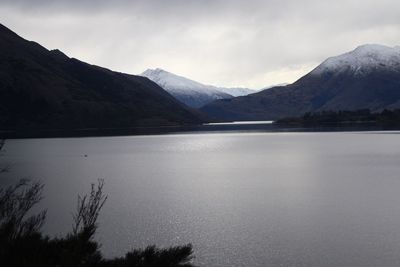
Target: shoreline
{"x": 195, "y": 129}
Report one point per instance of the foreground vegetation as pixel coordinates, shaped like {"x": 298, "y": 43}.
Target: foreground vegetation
{"x": 386, "y": 117}
{"x": 23, "y": 244}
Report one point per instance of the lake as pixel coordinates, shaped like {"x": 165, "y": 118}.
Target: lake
{"x": 241, "y": 199}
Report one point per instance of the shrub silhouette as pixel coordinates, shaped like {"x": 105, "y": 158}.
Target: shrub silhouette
{"x": 15, "y": 202}
{"x": 23, "y": 244}
{"x": 88, "y": 210}
{"x": 2, "y": 168}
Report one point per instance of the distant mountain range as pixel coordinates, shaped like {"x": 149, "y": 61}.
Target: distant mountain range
{"x": 365, "y": 78}
{"x": 42, "y": 89}
{"x": 189, "y": 92}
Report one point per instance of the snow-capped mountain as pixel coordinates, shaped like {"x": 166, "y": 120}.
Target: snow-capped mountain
{"x": 362, "y": 60}
{"x": 365, "y": 78}
{"x": 189, "y": 92}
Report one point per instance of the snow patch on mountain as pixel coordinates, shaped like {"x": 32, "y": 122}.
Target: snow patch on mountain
{"x": 190, "y": 92}
{"x": 178, "y": 84}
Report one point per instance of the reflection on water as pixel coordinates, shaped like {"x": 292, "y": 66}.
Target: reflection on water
{"x": 240, "y": 123}
{"x": 242, "y": 199}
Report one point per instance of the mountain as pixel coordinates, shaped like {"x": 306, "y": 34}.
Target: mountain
{"x": 189, "y": 92}
{"x": 236, "y": 91}
{"x": 365, "y": 78}
{"x": 42, "y": 89}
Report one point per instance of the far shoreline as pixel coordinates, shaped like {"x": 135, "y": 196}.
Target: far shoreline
{"x": 225, "y": 127}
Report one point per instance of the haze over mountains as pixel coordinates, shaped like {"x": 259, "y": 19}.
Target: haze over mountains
{"x": 365, "y": 78}
{"x": 189, "y": 92}
{"x": 42, "y": 89}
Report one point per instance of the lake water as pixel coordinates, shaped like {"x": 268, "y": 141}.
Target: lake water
{"x": 241, "y": 199}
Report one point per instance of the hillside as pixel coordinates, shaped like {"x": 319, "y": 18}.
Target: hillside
{"x": 42, "y": 89}
{"x": 365, "y": 78}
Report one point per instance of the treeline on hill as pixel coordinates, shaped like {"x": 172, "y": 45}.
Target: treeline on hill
{"x": 386, "y": 117}
{"x": 23, "y": 244}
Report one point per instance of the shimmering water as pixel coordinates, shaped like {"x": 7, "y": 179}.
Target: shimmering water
{"x": 242, "y": 199}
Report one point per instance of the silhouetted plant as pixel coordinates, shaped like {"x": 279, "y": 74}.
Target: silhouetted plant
{"x": 3, "y": 168}
{"x": 19, "y": 233}
{"x": 22, "y": 243}
{"x": 15, "y": 203}
{"x": 88, "y": 210}
{"x": 180, "y": 256}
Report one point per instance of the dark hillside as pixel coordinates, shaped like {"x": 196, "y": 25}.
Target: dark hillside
{"x": 42, "y": 89}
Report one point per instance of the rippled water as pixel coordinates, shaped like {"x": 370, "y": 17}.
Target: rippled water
{"x": 242, "y": 199}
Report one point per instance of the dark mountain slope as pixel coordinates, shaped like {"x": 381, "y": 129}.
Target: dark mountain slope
{"x": 366, "y": 78}
{"x": 42, "y": 89}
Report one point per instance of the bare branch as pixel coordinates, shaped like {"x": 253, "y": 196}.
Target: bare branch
{"x": 4, "y": 168}
{"x": 88, "y": 210}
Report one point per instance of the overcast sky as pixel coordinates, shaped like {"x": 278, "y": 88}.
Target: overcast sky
{"x": 253, "y": 43}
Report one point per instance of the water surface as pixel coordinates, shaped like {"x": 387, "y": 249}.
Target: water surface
{"x": 242, "y": 199}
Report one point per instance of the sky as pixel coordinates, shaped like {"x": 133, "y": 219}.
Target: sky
{"x": 233, "y": 43}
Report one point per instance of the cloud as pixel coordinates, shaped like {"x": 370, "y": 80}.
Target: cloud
{"x": 227, "y": 43}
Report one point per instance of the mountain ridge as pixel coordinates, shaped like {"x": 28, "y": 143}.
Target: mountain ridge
{"x": 344, "y": 82}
